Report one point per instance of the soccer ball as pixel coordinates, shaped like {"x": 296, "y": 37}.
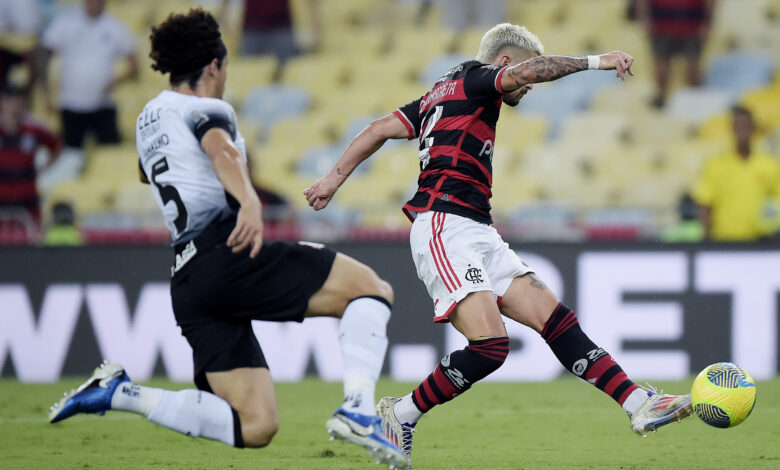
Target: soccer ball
{"x": 723, "y": 395}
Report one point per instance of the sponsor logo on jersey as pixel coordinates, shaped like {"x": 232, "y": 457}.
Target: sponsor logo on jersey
{"x": 438, "y": 93}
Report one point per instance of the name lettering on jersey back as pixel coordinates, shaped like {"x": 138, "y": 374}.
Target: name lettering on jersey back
{"x": 158, "y": 143}
{"x": 148, "y": 122}
{"x": 441, "y": 92}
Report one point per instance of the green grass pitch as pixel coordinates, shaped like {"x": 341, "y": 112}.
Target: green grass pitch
{"x": 563, "y": 424}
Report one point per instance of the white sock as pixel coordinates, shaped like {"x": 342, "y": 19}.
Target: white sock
{"x": 635, "y": 400}
{"x": 363, "y": 339}
{"x": 406, "y": 411}
{"x": 191, "y": 412}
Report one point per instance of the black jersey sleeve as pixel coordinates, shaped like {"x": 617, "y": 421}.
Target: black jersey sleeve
{"x": 484, "y": 81}
{"x": 409, "y": 114}
{"x": 210, "y": 114}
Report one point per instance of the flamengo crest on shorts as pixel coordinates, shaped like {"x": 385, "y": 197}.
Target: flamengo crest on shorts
{"x": 455, "y": 256}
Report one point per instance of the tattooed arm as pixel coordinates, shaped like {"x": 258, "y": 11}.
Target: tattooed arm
{"x": 552, "y": 67}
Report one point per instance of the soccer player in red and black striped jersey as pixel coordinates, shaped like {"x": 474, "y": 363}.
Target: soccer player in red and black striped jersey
{"x": 471, "y": 274}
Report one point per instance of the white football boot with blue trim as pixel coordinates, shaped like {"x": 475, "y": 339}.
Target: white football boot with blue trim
{"x": 93, "y": 396}
{"x": 366, "y": 431}
{"x": 658, "y": 410}
{"x": 398, "y": 433}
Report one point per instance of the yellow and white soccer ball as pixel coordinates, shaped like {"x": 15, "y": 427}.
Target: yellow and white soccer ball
{"x": 723, "y": 395}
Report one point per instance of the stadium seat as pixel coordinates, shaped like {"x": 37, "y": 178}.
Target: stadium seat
{"x": 556, "y": 100}
{"x": 135, "y": 198}
{"x": 738, "y": 72}
{"x": 266, "y": 105}
{"x": 246, "y": 73}
{"x": 595, "y": 130}
{"x": 765, "y": 105}
{"x": 437, "y": 67}
{"x": 517, "y": 131}
{"x": 624, "y": 97}
{"x": 697, "y": 104}
{"x": 317, "y": 161}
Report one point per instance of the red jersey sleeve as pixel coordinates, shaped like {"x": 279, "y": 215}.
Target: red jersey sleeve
{"x": 484, "y": 81}
{"x": 409, "y": 114}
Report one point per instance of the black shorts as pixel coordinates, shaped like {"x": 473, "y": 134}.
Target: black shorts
{"x": 671, "y": 46}
{"x": 217, "y": 294}
{"x": 102, "y": 122}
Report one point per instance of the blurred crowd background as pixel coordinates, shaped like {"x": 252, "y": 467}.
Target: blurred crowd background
{"x": 687, "y": 150}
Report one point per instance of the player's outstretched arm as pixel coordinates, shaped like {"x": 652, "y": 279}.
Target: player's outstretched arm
{"x": 232, "y": 171}
{"x": 368, "y": 141}
{"x": 552, "y": 67}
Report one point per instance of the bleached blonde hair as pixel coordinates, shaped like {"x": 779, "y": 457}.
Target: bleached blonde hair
{"x": 507, "y": 34}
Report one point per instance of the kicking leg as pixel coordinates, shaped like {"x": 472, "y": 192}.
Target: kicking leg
{"x": 530, "y": 302}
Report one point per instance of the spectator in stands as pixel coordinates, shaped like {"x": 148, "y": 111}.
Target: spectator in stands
{"x": 267, "y": 27}
{"x": 63, "y": 230}
{"x": 675, "y": 27}
{"x": 689, "y": 228}
{"x": 735, "y": 187}
{"x": 89, "y": 42}
{"x": 19, "y": 18}
{"x": 20, "y": 139}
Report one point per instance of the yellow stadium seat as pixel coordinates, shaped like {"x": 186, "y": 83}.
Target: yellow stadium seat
{"x": 635, "y": 93}
{"x": 517, "y": 131}
{"x": 319, "y": 74}
{"x": 313, "y": 129}
{"x": 765, "y": 105}
{"x": 420, "y": 45}
{"x": 135, "y": 198}
{"x": 246, "y": 73}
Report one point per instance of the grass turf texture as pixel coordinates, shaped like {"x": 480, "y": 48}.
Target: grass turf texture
{"x": 563, "y": 424}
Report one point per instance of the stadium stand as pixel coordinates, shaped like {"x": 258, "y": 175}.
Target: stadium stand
{"x": 585, "y": 151}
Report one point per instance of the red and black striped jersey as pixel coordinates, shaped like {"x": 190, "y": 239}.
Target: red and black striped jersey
{"x": 456, "y": 126}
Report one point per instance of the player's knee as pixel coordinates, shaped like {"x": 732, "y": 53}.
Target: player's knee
{"x": 385, "y": 290}
{"x": 259, "y": 433}
{"x": 374, "y": 286}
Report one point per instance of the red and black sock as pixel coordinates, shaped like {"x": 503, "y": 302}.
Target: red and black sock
{"x": 582, "y": 357}
{"x": 457, "y": 371}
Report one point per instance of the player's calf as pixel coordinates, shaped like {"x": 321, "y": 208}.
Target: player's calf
{"x": 581, "y": 356}
{"x": 258, "y": 433}
{"x": 454, "y": 374}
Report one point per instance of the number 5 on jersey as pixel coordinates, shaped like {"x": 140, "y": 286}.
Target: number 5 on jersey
{"x": 169, "y": 193}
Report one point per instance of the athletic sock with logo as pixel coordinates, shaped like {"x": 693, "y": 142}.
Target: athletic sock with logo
{"x": 363, "y": 340}
{"x": 454, "y": 374}
{"x": 583, "y": 358}
{"x": 191, "y": 412}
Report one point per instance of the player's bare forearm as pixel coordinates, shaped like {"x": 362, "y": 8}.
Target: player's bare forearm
{"x": 548, "y": 68}
{"x": 542, "y": 69}
{"x": 365, "y": 144}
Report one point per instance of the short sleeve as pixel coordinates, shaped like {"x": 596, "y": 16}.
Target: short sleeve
{"x": 484, "y": 82}
{"x": 409, "y": 114}
{"x": 211, "y": 113}
{"x": 55, "y": 34}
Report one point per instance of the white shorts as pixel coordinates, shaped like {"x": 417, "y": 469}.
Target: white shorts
{"x": 456, "y": 256}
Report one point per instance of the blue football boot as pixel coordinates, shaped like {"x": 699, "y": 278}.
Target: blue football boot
{"x": 366, "y": 431}
{"x": 93, "y": 396}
